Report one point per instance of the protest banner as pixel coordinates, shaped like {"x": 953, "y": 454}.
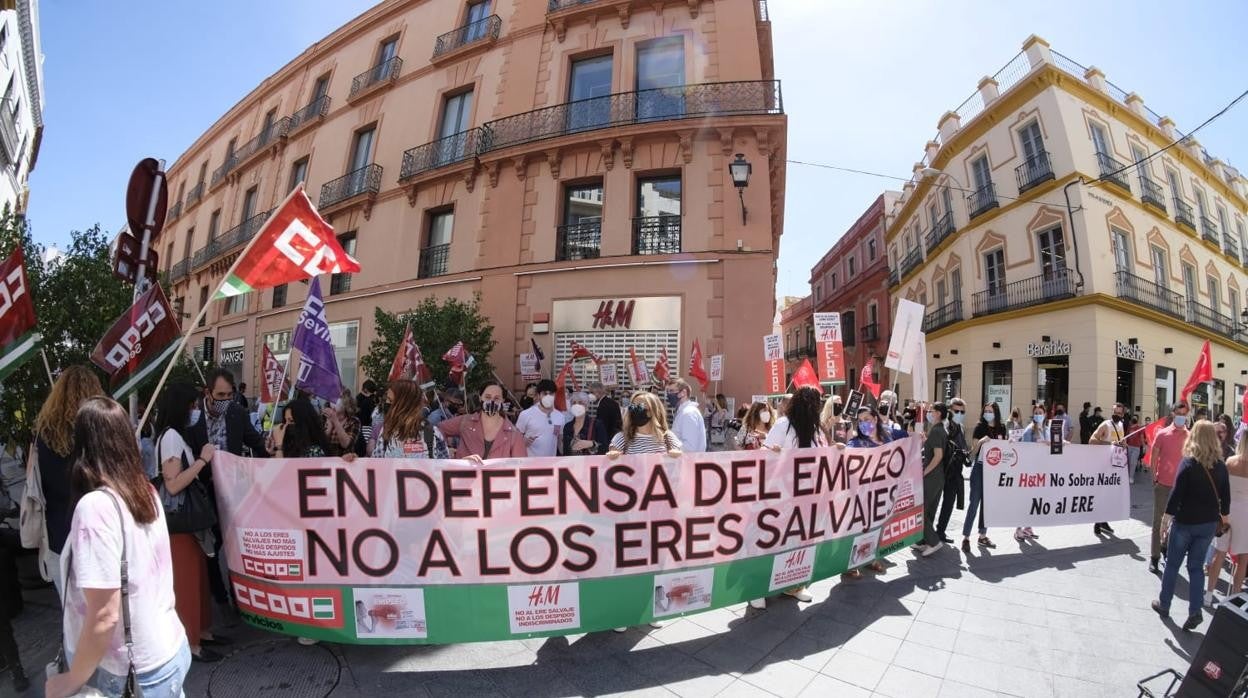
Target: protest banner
{"x": 607, "y": 375}
{"x": 717, "y": 367}
{"x": 529, "y": 367}
{"x": 1026, "y": 485}
{"x": 828, "y": 343}
{"x": 773, "y": 363}
{"x": 138, "y": 343}
{"x": 903, "y": 344}
{"x": 402, "y": 551}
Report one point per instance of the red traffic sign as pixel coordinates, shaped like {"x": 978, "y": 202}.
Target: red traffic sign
{"x": 145, "y": 178}
{"x": 126, "y": 259}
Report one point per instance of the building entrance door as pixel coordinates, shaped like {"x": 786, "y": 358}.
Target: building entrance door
{"x": 1125, "y": 388}
{"x": 1053, "y": 378}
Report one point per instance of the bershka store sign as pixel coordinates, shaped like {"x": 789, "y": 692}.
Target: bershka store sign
{"x": 1131, "y": 352}
{"x": 1051, "y": 348}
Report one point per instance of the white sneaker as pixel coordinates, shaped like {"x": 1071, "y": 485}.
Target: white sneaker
{"x": 1211, "y": 599}
{"x": 931, "y": 549}
{"x": 621, "y": 630}
{"x": 920, "y": 549}
{"x": 760, "y": 604}
{"x": 658, "y": 623}
{"x": 307, "y": 641}
{"x": 801, "y": 595}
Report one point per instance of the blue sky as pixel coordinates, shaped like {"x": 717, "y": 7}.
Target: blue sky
{"x": 864, "y": 84}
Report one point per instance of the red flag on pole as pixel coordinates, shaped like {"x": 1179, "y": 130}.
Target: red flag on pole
{"x": 408, "y": 363}
{"x": 637, "y": 372}
{"x": 271, "y": 388}
{"x": 696, "y": 369}
{"x": 868, "y": 380}
{"x": 19, "y": 333}
{"x": 580, "y": 352}
{"x": 138, "y": 343}
{"x": 1202, "y": 372}
{"x": 1150, "y": 432}
{"x": 561, "y": 394}
{"x": 805, "y": 377}
{"x": 457, "y": 356}
{"x": 662, "y": 367}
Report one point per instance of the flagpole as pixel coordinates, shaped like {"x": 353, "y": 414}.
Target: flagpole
{"x": 46, "y": 367}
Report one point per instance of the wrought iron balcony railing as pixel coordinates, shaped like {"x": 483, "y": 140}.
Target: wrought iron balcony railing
{"x": 1034, "y": 170}
{"x": 981, "y": 200}
{"x": 578, "y": 241}
{"x": 481, "y": 30}
{"x": 229, "y": 240}
{"x": 275, "y": 131}
{"x": 194, "y": 195}
{"x": 1208, "y": 229}
{"x": 1229, "y": 245}
{"x": 314, "y": 110}
{"x": 656, "y": 235}
{"x": 179, "y": 271}
{"x": 1210, "y": 319}
{"x": 1036, "y": 290}
{"x": 1112, "y": 171}
{"x": 556, "y": 5}
{"x": 1147, "y": 293}
{"x": 666, "y": 103}
{"x": 385, "y": 71}
{"x": 894, "y": 277}
{"x": 941, "y": 229}
{"x": 174, "y": 211}
{"x": 434, "y": 261}
{"x": 1183, "y": 213}
{"x": 444, "y": 151}
{"x": 911, "y": 261}
{"x": 943, "y": 316}
{"x": 8, "y": 132}
{"x": 869, "y": 333}
{"x": 1151, "y": 193}
{"x": 366, "y": 180}
{"x": 218, "y": 175}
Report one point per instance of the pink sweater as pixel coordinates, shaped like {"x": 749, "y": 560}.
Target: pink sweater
{"x": 1167, "y": 453}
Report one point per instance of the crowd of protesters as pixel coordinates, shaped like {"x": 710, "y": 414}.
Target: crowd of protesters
{"x": 102, "y": 499}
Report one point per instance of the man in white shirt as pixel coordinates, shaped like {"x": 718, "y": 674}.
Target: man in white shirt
{"x": 1110, "y": 432}
{"x": 687, "y": 419}
{"x": 542, "y": 424}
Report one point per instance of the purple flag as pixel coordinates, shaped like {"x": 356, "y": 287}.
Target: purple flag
{"x": 318, "y": 370}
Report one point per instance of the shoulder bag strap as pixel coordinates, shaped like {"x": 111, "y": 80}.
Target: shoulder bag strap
{"x": 125, "y": 584}
{"x": 1214, "y": 485}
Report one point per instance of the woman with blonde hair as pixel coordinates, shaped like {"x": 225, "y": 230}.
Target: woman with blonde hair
{"x": 831, "y": 422}
{"x": 1234, "y": 542}
{"x": 755, "y": 425}
{"x": 54, "y": 444}
{"x": 1199, "y": 502}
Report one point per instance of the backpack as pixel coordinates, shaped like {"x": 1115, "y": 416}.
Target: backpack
{"x": 32, "y": 523}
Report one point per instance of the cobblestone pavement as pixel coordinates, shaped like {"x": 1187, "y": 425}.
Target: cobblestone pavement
{"x": 1067, "y": 615}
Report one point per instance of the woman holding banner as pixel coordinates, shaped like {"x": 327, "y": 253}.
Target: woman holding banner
{"x": 754, "y": 427}
{"x": 1199, "y": 505}
{"x": 869, "y": 431}
{"x": 1034, "y": 433}
{"x": 989, "y": 427}
{"x": 583, "y": 435}
{"x": 487, "y": 433}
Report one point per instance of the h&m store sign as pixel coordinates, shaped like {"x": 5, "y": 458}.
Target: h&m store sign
{"x": 606, "y": 314}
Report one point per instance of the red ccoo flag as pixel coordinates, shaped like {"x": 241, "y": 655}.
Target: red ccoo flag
{"x": 295, "y": 243}
{"x": 868, "y": 380}
{"x": 274, "y": 379}
{"x": 1202, "y": 372}
{"x": 408, "y": 362}
{"x": 457, "y": 356}
{"x": 696, "y": 369}
{"x": 580, "y": 352}
{"x": 805, "y": 377}
{"x": 662, "y": 367}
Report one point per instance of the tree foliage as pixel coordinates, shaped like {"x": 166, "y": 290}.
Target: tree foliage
{"x": 436, "y": 326}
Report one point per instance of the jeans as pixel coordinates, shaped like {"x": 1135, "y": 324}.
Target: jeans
{"x": 933, "y": 485}
{"x": 164, "y": 681}
{"x": 1190, "y": 540}
{"x": 953, "y": 495}
{"x": 976, "y": 503}
{"x": 1161, "y": 495}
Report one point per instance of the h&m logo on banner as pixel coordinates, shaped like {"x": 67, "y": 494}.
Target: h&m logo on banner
{"x": 614, "y": 314}
{"x": 795, "y": 559}
{"x": 544, "y": 595}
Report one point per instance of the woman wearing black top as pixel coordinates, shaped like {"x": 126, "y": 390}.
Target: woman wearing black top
{"x": 1200, "y": 499}
{"x": 989, "y": 427}
{"x": 583, "y": 435}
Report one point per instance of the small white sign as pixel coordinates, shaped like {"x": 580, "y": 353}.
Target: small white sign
{"x": 717, "y": 367}
{"x": 773, "y": 347}
{"x": 864, "y": 548}
{"x": 792, "y": 568}
{"x": 606, "y": 373}
{"x": 827, "y": 327}
{"x": 678, "y": 592}
{"x": 535, "y": 608}
{"x": 389, "y": 613}
{"x": 528, "y": 367}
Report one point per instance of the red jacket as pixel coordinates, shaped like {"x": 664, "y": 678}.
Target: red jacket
{"x": 467, "y": 428}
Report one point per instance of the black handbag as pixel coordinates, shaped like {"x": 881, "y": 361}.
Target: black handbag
{"x": 196, "y": 512}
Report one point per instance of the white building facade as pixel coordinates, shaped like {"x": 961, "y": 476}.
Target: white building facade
{"x": 21, "y": 103}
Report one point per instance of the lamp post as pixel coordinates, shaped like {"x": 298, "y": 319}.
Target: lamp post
{"x": 740, "y": 169}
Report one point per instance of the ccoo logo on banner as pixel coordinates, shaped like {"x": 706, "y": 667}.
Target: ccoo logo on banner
{"x": 138, "y": 342}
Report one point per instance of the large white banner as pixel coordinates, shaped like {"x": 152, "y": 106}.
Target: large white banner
{"x": 1025, "y": 485}
{"x": 903, "y": 345}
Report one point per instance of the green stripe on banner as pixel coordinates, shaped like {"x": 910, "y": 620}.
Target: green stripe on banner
{"x": 144, "y": 371}
{"x": 232, "y": 286}
{"x": 18, "y": 353}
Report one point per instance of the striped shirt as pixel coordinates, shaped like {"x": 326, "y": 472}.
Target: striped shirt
{"x": 645, "y": 443}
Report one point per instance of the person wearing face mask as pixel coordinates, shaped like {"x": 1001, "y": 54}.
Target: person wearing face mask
{"x": 584, "y": 435}
{"x": 1068, "y": 427}
{"x": 1034, "y": 433}
{"x": 687, "y": 420}
{"x": 1111, "y": 432}
{"x": 542, "y": 424}
{"x": 989, "y": 427}
{"x": 1165, "y": 455}
{"x": 1086, "y": 423}
{"x": 754, "y": 427}
{"x": 887, "y": 410}
{"x": 1016, "y": 420}
{"x": 957, "y": 457}
{"x": 488, "y": 433}
{"x": 606, "y": 409}
{"x": 830, "y": 421}
{"x": 934, "y": 448}
{"x": 869, "y": 430}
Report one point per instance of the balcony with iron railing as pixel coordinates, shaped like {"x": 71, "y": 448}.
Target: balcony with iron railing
{"x": 440, "y": 153}
{"x": 656, "y": 235}
{"x": 1037, "y": 290}
{"x": 578, "y": 241}
{"x": 943, "y": 316}
{"x": 941, "y": 229}
{"x": 8, "y": 132}
{"x": 314, "y": 110}
{"x": 894, "y": 277}
{"x": 374, "y": 78}
{"x": 626, "y": 108}
{"x": 1229, "y": 245}
{"x": 1203, "y": 316}
{"x": 911, "y": 261}
{"x": 434, "y": 261}
{"x": 1149, "y": 294}
{"x": 179, "y": 271}
{"x": 981, "y": 200}
{"x": 1183, "y": 214}
{"x": 1113, "y": 171}
{"x": 247, "y": 151}
{"x": 1152, "y": 194}
{"x": 557, "y": 5}
{"x": 218, "y": 175}
{"x": 365, "y": 181}
{"x": 229, "y": 240}
{"x": 194, "y": 195}
{"x": 1209, "y": 230}
{"x": 869, "y": 333}
{"x": 174, "y": 211}
{"x": 480, "y": 32}
{"x": 1034, "y": 171}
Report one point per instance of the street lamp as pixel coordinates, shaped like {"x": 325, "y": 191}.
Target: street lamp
{"x": 740, "y": 170}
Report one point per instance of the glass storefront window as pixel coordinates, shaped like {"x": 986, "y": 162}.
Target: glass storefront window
{"x": 998, "y": 385}
{"x": 1164, "y": 378}
{"x": 948, "y": 383}
{"x": 345, "y": 337}
{"x": 1217, "y": 406}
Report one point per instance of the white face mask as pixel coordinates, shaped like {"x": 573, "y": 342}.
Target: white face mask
{"x": 578, "y": 410}
{"x": 548, "y": 401}
{"x": 195, "y": 415}
{"x": 764, "y": 417}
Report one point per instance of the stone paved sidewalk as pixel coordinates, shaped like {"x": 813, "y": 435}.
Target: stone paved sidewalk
{"x": 1067, "y": 615}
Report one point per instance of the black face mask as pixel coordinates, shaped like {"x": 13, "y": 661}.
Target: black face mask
{"x": 836, "y": 409}
{"x": 638, "y": 415}
{"x": 1117, "y": 418}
